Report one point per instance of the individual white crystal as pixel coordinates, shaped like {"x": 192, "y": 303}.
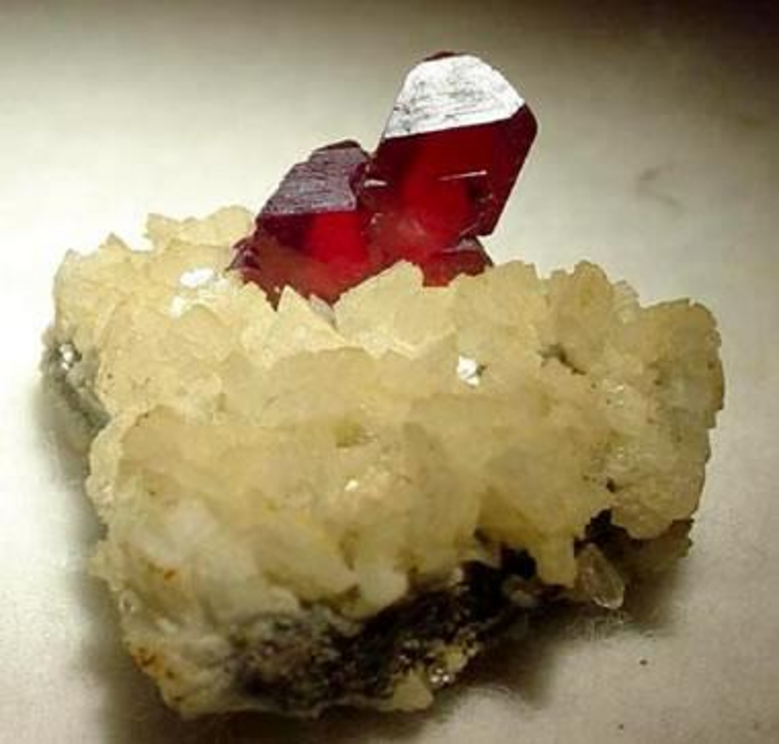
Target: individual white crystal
{"x": 197, "y": 277}
{"x": 599, "y": 579}
{"x": 468, "y": 371}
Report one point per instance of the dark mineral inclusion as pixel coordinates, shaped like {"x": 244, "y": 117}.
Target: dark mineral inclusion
{"x": 307, "y": 665}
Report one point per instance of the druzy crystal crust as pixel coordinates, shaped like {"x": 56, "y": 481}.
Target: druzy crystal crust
{"x": 309, "y": 508}
{"x": 450, "y": 154}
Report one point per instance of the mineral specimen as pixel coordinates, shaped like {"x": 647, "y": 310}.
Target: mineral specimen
{"x": 311, "y": 503}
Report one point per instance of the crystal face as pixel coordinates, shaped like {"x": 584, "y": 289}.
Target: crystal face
{"x": 450, "y": 154}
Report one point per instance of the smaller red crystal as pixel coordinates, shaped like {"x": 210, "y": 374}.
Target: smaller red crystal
{"x": 315, "y": 209}
{"x": 311, "y": 233}
{"x": 449, "y": 156}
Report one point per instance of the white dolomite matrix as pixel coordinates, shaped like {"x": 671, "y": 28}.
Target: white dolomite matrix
{"x": 275, "y": 480}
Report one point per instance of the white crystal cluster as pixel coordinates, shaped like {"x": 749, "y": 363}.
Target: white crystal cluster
{"x": 257, "y": 461}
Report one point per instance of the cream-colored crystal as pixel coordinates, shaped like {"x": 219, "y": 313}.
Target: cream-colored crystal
{"x": 256, "y": 459}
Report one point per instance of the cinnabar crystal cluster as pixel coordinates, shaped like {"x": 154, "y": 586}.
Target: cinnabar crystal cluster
{"x": 449, "y": 156}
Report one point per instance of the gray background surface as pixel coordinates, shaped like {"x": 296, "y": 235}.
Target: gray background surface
{"x": 658, "y": 158}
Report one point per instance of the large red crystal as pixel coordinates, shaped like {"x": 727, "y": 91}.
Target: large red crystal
{"x": 451, "y": 151}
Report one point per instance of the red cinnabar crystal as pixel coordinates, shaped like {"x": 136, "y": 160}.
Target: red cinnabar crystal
{"x": 451, "y": 151}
